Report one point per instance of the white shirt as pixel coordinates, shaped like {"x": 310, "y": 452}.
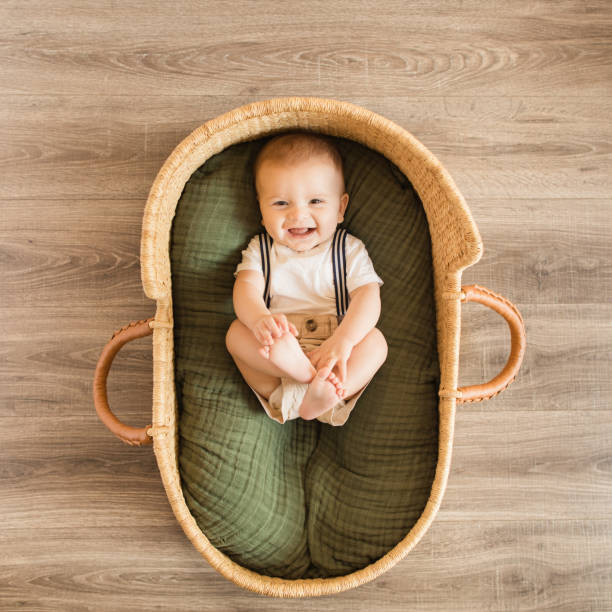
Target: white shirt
{"x": 303, "y": 282}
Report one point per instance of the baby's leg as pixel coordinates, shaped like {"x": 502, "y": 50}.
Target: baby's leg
{"x": 365, "y": 360}
{"x": 286, "y": 357}
{"x": 264, "y": 384}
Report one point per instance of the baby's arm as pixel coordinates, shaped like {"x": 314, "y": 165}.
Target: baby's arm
{"x": 360, "y": 318}
{"x": 251, "y": 310}
{"x": 362, "y": 314}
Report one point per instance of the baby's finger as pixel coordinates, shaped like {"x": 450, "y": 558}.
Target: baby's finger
{"x": 267, "y": 339}
{"x": 325, "y": 371}
{"x": 288, "y": 327}
{"x": 281, "y": 321}
{"x": 264, "y": 336}
{"x": 273, "y": 328}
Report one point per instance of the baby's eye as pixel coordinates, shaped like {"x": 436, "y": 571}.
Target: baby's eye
{"x": 316, "y": 201}
{"x": 280, "y": 203}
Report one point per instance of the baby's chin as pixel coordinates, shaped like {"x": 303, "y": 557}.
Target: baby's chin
{"x": 301, "y": 248}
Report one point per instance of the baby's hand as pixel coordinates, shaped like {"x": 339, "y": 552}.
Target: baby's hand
{"x": 335, "y": 351}
{"x": 272, "y": 326}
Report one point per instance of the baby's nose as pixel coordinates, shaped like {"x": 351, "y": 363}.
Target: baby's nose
{"x": 299, "y": 215}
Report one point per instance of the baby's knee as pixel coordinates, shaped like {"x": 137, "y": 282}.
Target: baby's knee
{"x": 380, "y": 342}
{"x": 378, "y": 337}
{"x": 230, "y": 335}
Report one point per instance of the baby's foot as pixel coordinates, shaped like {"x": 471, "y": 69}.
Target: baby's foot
{"x": 321, "y": 396}
{"x": 286, "y": 354}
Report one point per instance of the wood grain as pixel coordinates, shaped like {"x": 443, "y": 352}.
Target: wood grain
{"x": 462, "y": 566}
{"x": 513, "y": 98}
{"x": 102, "y": 146}
{"x": 507, "y": 52}
{"x": 566, "y": 362}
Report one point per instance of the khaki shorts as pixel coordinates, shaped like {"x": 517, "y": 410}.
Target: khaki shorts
{"x": 285, "y": 400}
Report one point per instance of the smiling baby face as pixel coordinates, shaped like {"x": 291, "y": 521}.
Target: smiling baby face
{"x": 301, "y": 201}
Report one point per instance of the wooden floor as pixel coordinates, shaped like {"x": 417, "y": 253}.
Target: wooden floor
{"x": 515, "y": 100}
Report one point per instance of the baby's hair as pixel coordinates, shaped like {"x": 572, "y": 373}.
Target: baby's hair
{"x": 297, "y": 146}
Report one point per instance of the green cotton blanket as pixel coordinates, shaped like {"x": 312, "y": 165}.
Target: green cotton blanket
{"x": 303, "y": 499}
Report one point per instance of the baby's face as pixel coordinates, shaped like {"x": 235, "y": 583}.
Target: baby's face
{"x": 301, "y": 204}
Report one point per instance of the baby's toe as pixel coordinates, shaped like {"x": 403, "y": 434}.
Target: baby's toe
{"x": 333, "y": 379}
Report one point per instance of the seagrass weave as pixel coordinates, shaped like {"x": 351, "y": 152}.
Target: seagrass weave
{"x": 455, "y": 244}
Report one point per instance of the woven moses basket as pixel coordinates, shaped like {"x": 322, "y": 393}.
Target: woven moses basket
{"x": 455, "y": 245}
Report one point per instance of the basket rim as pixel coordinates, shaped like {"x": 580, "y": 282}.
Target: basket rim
{"x": 255, "y": 120}
{"x": 240, "y": 122}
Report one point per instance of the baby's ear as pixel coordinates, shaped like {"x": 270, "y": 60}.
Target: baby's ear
{"x": 343, "y": 204}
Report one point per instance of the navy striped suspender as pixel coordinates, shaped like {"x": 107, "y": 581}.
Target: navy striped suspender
{"x": 338, "y": 265}
{"x": 265, "y": 244}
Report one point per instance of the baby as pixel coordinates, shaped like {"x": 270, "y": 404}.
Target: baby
{"x": 306, "y": 295}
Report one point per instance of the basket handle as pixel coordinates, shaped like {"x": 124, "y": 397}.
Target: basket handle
{"x": 133, "y": 436}
{"x": 477, "y": 393}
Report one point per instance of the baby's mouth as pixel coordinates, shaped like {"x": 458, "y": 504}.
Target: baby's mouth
{"x": 301, "y": 231}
